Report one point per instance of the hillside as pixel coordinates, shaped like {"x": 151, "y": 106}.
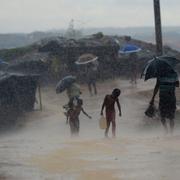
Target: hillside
{"x": 8, "y": 41}
{"x": 171, "y": 35}
{"x": 56, "y": 56}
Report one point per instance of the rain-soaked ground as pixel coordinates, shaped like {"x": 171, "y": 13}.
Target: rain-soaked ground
{"x": 40, "y": 146}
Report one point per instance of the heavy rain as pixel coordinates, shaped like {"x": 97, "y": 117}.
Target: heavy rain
{"x": 95, "y": 96}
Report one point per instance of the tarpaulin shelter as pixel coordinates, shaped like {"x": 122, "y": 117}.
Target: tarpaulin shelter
{"x": 17, "y": 94}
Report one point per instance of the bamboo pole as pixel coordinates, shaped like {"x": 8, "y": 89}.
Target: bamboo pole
{"x": 40, "y": 97}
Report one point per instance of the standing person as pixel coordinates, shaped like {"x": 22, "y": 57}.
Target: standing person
{"x": 73, "y": 116}
{"x": 109, "y": 105}
{"x": 167, "y": 98}
{"x": 133, "y": 67}
{"x": 91, "y": 78}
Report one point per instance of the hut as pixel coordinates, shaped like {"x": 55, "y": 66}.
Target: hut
{"x": 17, "y": 95}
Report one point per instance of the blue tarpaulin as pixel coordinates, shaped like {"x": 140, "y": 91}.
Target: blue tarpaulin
{"x": 129, "y": 48}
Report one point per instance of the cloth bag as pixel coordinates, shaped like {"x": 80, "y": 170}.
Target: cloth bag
{"x": 151, "y": 111}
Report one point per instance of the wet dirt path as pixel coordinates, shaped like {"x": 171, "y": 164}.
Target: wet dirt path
{"x": 41, "y": 148}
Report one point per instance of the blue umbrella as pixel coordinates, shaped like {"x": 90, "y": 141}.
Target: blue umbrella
{"x": 129, "y": 48}
{"x": 65, "y": 83}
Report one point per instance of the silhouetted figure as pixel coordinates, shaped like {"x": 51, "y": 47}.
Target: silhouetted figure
{"x": 73, "y": 93}
{"x": 73, "y": 116}
{"x": 167, "y": 98}
{"x": 133, "y": 67}
{"x": 91, "y": 78}
{"x": 109, "y": 105}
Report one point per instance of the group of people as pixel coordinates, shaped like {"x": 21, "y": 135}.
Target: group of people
{"x": 75, "y": 107}
{"x": 167, "y": 105}
{"x": 166, "y": 86}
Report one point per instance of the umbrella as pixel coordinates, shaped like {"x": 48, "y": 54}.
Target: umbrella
{"x": 86, "y": 58}
{"x": 65, "y": 83}
{"x": 172, "y": 61}
{"x": 129, "y": 48}
{"x": 159, "y": 67}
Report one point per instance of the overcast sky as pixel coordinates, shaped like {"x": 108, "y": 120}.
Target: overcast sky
{"x": 31, "y": 15}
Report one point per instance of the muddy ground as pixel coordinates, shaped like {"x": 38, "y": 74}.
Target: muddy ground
{"x": 40, "y": 146}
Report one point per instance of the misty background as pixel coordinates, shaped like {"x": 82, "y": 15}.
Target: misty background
{"x": 24, "y": 22}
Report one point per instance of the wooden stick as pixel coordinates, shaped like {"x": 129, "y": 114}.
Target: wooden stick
{"x": 40, "y": 98}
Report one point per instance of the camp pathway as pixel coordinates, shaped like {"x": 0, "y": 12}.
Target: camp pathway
{"x": 40, "y": 146}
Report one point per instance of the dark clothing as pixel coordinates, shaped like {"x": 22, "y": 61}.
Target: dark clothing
{"x": 91, "y": 76}
{"x": 167, "y": 104}
{"x": 167, "y": 97}
{"x": 91, "y": 79}
{"x": 90, "y": 85}
{"x": 168, "y": 83}
{"x": 133, "y": 67}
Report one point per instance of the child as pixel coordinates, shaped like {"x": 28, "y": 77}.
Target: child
{"x": 73, "y": 116}
{"x": 73, "y": 93}
{"x": 109, "y": 102}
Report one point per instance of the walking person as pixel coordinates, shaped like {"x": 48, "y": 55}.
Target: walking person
{"x": 91, "y": 78}
{"x": 109, "y": 105}
{"x": 69, "y": 84}
{"x": 73, "y": 93}
{"x": 167, "y": 98}
{"x": 133, "y": 68}
{"x": 73, "y": 116}
{"x": 90, "y": 61}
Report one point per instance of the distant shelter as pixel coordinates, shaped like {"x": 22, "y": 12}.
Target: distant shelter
{"x": 17, "y": 95}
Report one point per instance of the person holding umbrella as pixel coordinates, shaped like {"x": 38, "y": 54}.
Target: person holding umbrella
{"x": 91, "y": 63}
{"x": 167, "y": 98}
{"x": 73, "y": 91}
{"x": 69, "y": 84}
{"x": 167, "y": 80}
